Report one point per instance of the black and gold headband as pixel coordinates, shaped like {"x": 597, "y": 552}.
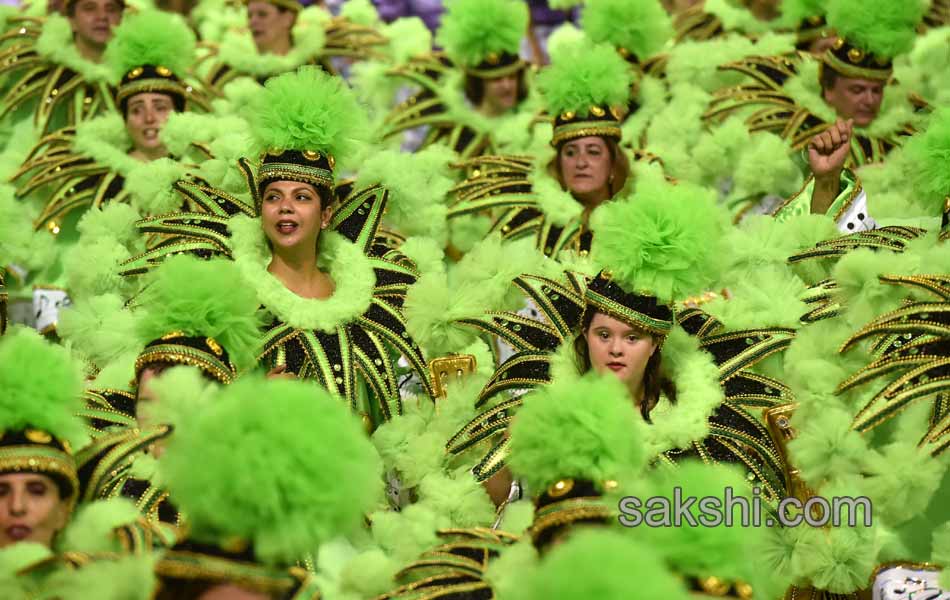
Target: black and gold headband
{"x": 291, "y": 5}
{"x": 306, "y": 166}
{"x": 598, "y": 120}
{"x": 851, "y": 61}
{"x": 640, "y": 310}
{"x": 497, "y": 64}
{"x": 176, "y": 348}
{"x": 151, "y": 79}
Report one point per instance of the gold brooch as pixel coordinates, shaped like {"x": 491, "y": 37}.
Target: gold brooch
{"x": 493, "y": 58}
{"x": 215, "y": 346}
{"x": 597, "y": 111}
{"x": 839, "y": 44}
{"x": 561, "y": 488}
{"x": 855, "y": 55}
{"x": 567, "y": 115}
{"x": 136, "y": 72}
{"x": 38, "y": 437}
{"x": 311, "y": 155}
{"x": 163, "y": 71}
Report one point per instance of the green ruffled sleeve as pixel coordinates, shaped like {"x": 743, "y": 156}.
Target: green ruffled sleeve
{"x": 800, "y": 203}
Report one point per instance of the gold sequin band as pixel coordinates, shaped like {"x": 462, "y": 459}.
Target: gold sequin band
{"x": 155, "y": 86}
{"x": 571, "y": 131}
{"x": 628, "y": 315}
{"x": 288, "y": 4}
{"x": 194, "y": 566}
{"x": 184, "y": 355}
{"x": 567, "y": 512}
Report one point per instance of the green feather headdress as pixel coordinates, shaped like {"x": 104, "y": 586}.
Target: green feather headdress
{"x": 484, "y": 36}
{"x": 199, "y": 313}
{"x": 150, "y": 52}
{"x": 303, "y": 123}
{"x": 284, "y": 467}
{"x": 41, "y": 388}
{"x": 870, "y": 34}
{"x": 585, "y": 91}
{"x": 638, "y": 29}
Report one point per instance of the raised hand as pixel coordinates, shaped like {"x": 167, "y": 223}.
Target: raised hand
{"x": 828, "y": 151}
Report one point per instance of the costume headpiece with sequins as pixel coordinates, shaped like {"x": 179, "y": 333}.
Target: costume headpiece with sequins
{"x": 150, "y": 52}
{"x": 586, "y": 90}
{"x": 41, "y": 386}
{"x": 304, "y": 123}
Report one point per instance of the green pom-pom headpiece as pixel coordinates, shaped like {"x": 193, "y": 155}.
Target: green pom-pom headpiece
{"x": 284, "y": 467}
{"x": 638, "y": 29}
{"x": 41, "y": 387}
{"x": 658, "y": 245}
{"x": 585, "y": 90}
{"x": 149, "y": 52}
{"x": 870, "y": 35}
{"x": 303, "y": 123}
{"x": 199, "y": 314}
{"x": 484, "y": 36}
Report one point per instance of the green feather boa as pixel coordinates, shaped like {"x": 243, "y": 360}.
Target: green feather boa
{"x": 350, "y": 269}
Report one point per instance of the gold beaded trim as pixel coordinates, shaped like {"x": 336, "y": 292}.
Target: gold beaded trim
{"x": 573, "y": 131}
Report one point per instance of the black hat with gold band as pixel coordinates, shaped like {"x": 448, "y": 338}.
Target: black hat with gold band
{"x": 305, "y": 123}
{"x": 291, "y": 5}
{"x": 483, "y": 37}
{"x": 642, "y": 309}
{"x": 198, "y": 314}
{"x": 41, "y": 386}
{"x": 871, "y": 33}
{"x": 584, "y": 89}
{"x": 149, "y": 53}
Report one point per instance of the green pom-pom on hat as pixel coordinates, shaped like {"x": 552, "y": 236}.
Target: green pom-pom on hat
{"x": 42, "y": 385}
{"x": 284, "y": 466}
{"x": 154, "y": 38}
{"x": 662, "y": 240}
{"x": 884, "y": 28}
{"x": 309, "y": 110}
{"x": 477, "y": 31}
{"x": 585, "y": 77}
{"x": 583, "y": 428}
{"x": 929, "y": 155}
{"x": 636, "y": 28}
{"x": 207, "y": 299}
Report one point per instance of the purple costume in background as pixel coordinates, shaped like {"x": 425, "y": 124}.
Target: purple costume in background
{"x": 429, "y": 11}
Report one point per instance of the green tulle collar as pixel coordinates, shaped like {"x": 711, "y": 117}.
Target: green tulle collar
{"x": 56, "y": 45}
{"x": 350, "y": 269}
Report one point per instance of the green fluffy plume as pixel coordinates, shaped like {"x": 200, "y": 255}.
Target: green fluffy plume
{"x": 795, "y": 11}
{"x": 129, "y": 577}
{"x": 100, "y": 328}
{"x": 585, "y": 76}
{"x": 92, "y": 528}
{"x": 723, "y": 550}
{"x": 662, "y": 240}
{"x": 928, "y": 154}
{"x": 309, "y": 109}
{"x": 473, "y": 29}
{"x": 642, "y": 27}
{"x": 203, "y": 298}
{"x": 361, "y": 12}
{"x": 154, "y": 38}
{"x": 41, "y": 386}
{"x": 584, "y": 429}
{"x": 418, "y": 184}
{"x": 602, "y": 564}
{"x": 884, "y": 27}
{"x": 284, "y": 465}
